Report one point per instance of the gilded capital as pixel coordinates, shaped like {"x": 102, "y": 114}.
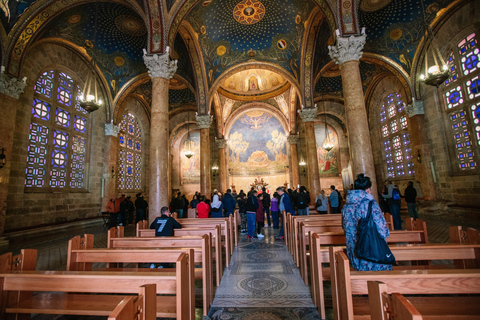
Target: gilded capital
{"x": 11, "y": 86}
{"x": 415, "y": 108}
{"x": 111, "y": 129}
{"x": 308, "y": 114}
{"x": 347, "y": 48}
{"x": 160, "y": 65}
{"x": 204, "y": 121}
{"x": 221, "y": 143}
{"x": 293, "y": 139}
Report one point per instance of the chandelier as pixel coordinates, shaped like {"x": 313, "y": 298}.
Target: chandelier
{"x": 188, "y": 142}
{"x": 327, "y": 142}
{"x": 90, "y": 100}
{"x": 436, "y": 73}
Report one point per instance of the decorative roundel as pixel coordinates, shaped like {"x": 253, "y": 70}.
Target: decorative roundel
{"x": 74, "y": 19}
{"x": 249, "y": 11}
{"x": 282, "y": 44}
{"x": 130, "y": 25}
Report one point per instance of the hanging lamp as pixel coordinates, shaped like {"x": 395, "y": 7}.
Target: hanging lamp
{"x": 327, "y": 142}
{"x": 188, "y": 142}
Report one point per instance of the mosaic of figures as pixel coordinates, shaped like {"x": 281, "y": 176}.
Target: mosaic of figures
{"x": 327, "y": 160}
{"x": 190, "y": 169}
{"x": 257, "y": 145}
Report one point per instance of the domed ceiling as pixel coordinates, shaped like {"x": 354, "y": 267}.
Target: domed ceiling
{"x": 233, "y": 31}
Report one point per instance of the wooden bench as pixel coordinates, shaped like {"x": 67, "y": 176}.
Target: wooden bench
{"x": 469, "y": 236}
{"x": 202, "y": 250}
{"x": 137, "y": 308}
{"x": 319, "y": 246}
{"x": 417, "y": 280}
{"x": 70, "y": 292}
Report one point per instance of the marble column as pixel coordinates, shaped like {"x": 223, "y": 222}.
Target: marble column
{"x": 222, "y": 165}
{"x": 347, "y": 53}
{"x": 161, "y": 69}
{"x": 10, "y": 90}
{"x": 421, "y": 152}
{"x": 204, "y": 122}
{"x": 110, "y": 168}
{"x": 292, "y": 141}
{"x": 308, "y": 117}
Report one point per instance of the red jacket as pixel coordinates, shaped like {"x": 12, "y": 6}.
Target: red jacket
{"x": 203, "y": 210}
{"x": 260, "y": 216}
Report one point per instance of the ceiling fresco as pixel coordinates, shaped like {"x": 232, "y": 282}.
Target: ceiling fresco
{"x": 10, "y": 12}
{"x": 234, "y": 31}
{"x": 115, "y": 39}
{"x": 184, "y": 64}
{"x": 395, "y": 29}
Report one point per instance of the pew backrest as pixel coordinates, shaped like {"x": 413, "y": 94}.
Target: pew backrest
{"x": 142, "y": 307}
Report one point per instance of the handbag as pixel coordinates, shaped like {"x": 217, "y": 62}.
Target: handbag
{"x": 370, "y": 245}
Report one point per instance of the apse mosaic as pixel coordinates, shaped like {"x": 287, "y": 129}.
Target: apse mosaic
{"x": 232, "y": 31}
{"x": 115, "y": 40}
{"x": 190, "y": 169}
{"x": 11, "y": 10}
{"x": 257, "y": 145}
{"x": 327, "y": 160}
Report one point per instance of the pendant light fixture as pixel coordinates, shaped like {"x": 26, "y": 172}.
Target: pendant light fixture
{"x": 327, "y": 142}
{"x": 188, "y": 142}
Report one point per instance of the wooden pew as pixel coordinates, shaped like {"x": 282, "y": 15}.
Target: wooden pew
{"x": 137, "y": 308}
{"x": 319, "y": 246}
{"x": 423, "y": 281}
{"x": 469, "y": 236}
{"x": 56, "y": 297}
{"x": 203, "y": 254}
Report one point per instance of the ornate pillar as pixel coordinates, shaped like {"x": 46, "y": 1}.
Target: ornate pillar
{"x": 222, "y": 165}
{"x": 293, "y": 140}
{"x": 308, "y": 117}
{"x": 10, "y": 90}
{"x": 421, "y": 152}
{"x": 347, "y": 53}
{"x": 110, "y": 159}
{"x": 161, "y": 70}
{"x": 204, "y": 122}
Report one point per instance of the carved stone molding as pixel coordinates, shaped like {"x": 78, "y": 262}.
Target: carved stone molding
{"x": 221, "y": 143}
{"x": 111, "y": 129}
{"x": 293, "y": 139}
{"x": 11, "y": 86}
{"x": 308, "y": 114}
{"x": 415, "y": 108}
{"x": 347, "y": 48}
{"x": 160, "y": 65}
{"x": 204, "y": 121}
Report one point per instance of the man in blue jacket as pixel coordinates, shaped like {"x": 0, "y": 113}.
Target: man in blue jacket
{"x": 251, "y": 207}
{"x": 286, "y": 205}
{"x": 228, "y": 203}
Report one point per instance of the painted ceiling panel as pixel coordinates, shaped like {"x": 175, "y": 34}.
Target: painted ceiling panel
{"x": 116, "y": 44}
{"x": 271, "y": 30}
{"x": 184, "y": 65}
{"x": 10, "y": 12}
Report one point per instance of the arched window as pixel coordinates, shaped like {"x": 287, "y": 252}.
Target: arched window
{"x": 58, "y": 134}
{"x": 396, "y": 141}
{"x": 130, "y": 154}
{"x": 461, "y": 92}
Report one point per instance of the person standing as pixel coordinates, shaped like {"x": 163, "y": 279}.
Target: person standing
{"x": 194, "y": 201}
{"x": 140, "y": 208}
{"x": 334, "y": 200}
{"x": 129, "y": 210}
{"x": 178, "y": 205}
{"x": 216, "y": 206}
{"x": 260, "y": 217}
{"x": 113, "y": 208}
{"x": 323, "y": 201}
{"x": 275, "y": 210}
{"x": 284, "y": 205}
{"x": 355, "y": 209}
{"x": 242, "y": 201}
{"x": 203, "y": 209}
{"x": 251, "y": 208}
{"x": 411, "y": 199}
{"x": 393, "y": 201}
{"x": 123, "y": 211}
{"x": 266, "y": 204}
{"x": 228, "y": 203}
{"x": 303, "y": 199}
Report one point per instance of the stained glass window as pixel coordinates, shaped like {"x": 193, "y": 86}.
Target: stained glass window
{"x": 396, "y": 141}
{"x": 130, "y": 154}
{"x": 58, "y": 134}
{"x": 463, "y": 144}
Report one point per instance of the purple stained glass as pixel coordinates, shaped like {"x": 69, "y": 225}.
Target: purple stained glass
{"x": 60, "y": 139}
{"x": 62, "y": 117}
{"x": 80, "y": 124}
{"x": 59, "y": 159}
{"x": 44, "y": 84}
{"x": 41, "y": 109}
{"x": 64, "y": 96}
{"x": 36, "y": 156}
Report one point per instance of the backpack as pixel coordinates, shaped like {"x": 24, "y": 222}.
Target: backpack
{"x": 318, "y": 203}
{"x": 395, "y": 194}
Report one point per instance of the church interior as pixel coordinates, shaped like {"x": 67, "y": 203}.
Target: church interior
{"x": 112, "y": 97}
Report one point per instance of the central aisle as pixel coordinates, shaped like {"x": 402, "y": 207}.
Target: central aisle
{"x": 262, "y": 283}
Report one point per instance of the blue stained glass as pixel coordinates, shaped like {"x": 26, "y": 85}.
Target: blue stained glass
{"x": 41, "y": 109}
{"x": 470, "y": 154}
{"x": 471, "y": 62}
{"x": 138, "y": 146}
{"x": 80, "y": 124}
{"x": 475, "y": 86}
{"x": 129, "y": 170}
{"x": 454, "y": 97}
{"x": 130, "y": 129}
{"x": 121, "y": 140}
{"x": 130, "y": 143}
{"x": 463, "y": 49}
{"x": 60, "y": 139}
{"x": 59, "y": 159}
{"x": 459, "y": 145}
{"x": 463, "y": 165}
{"x": 64, "y": 96}
{"x": 461, "y": 156}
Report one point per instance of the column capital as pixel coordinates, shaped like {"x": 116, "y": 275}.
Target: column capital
{"x": 111, "y": 129}
{"x": 347, "y": 48}
{"x": 415, "y": 108}
{"x": 293, "y": 139}
{"x": 308, "y": 114}
{"x": 11, "y": 86}
{"x": 221, "y": 143}
{"x": 160, "y": 65}
{"x": 204, "y": 121}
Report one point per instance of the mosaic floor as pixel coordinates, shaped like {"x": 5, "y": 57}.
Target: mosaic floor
{"x": 262, "y": 283}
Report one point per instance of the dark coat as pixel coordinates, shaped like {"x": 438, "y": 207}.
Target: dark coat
{"x": 228, "y": 202}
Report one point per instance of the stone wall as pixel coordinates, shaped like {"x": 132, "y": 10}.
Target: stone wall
{"x": 27, "y": 209}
